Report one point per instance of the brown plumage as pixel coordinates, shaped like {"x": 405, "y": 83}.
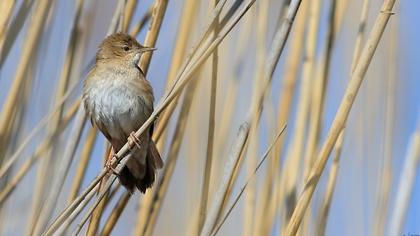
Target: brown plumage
{"x": 119, "y": 99}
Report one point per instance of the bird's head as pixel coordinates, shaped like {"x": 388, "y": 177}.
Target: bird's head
{"x": 123, "y": 47}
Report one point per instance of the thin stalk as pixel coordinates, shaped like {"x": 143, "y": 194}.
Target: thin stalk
{"x": 251, "y": 191}
{"x": 210, "y": 136}
{"x": 295, "y": 152}
{"x": 184, "y": 32}
{"x": 83, "y": 162}
{"x": 406, "y": 182}
{"x": 80, "y": 200}
{"x": 141, "y": 23}
{"x": 26, "y": 166}
{"x": 7, "y": 9}
{"x": 332, "y": 178}
{"x": 97, "y": 214}
{"x": 324, "y": 211}
{"x": 151, "y": 37}
{"x": 264, "y": 157}
{"x": 233, "y": 160}
{"x": 62, "y": 229}
{"x": 291, "y": 68}
{"x": 130, "y": 7}
{"x": 38, "y": 153}
{"x": 115, "y": 215}
{"x": 385, "y": 179}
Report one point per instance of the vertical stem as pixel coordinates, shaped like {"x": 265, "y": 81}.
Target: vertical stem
{"x": 210, "y": 137}
{"x": 158, "y": 13}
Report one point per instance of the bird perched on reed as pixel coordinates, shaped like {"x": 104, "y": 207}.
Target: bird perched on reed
{"x": 118, "y": 99}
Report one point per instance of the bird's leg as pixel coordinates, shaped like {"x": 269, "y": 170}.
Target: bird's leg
{"x": 132, "y": 139}
{"x": 108, "y": 165}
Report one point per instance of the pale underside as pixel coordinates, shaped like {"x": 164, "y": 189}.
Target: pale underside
{"x": 119, "y": 102}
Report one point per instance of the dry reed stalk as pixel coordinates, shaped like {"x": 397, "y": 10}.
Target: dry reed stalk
{"x": 406, "y": 182}
{"x": 317, "y": 94}
{"x": 141, "y": 23}
{"x": 63, "y": 227}
{"x": 342, "y": 8}
{"x": 14, "y": 29}
{"x": 121, "y": 17}
{"x": 356, "y": 79}
{"x": 105, "y": 188}
{"x": 269, "y": 198}
{"x": 232, "y": 178}
{"x": 44, "y": 121}
{"x": 225, "y": 120}
{"x": 130, "y": 7}
{"x": 80, "y": 200}
{"x": 251, "y": 191}
{"x": 97, "y": 213}
{"x": 26, "y": 166}
{"x": 158, "y": 13}
{"x": 190, "y": 8}
{"x": 32, "y": 38}
{"x": 264, "y": 157}
{"x": 65, "y": 121}
{"x": 284, "y": 108}
{"x": 233, "y": 160}
{"x": 7, "y": 10}
{"x": 295, "y": 151}
{"x": 184, "y": 32}
{"x": 332, "y": 178}
{"x": 192, "y": 141}
{"x": 210, "y": 136}
{"x": 385, "y": 178}
{"x": 360, "y": 34}
{"x": 102, "y": 194}
{"x": 62, "y": 172}
{"x": 324, "y": 210}
{"x": 294, "y": 156}
{"x": 241, "y": 49}
{"x": 82, "y": 164}
{"x": 115, "y": 214}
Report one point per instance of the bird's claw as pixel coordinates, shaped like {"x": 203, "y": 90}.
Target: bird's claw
{"x": 110, "y": 168}
{"x": 133, "y": 140}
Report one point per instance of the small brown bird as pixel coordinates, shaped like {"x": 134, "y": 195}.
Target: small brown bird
{"x": 119, "y": 99}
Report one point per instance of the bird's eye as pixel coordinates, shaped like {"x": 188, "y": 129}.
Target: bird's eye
{"x": 126, "y": 48}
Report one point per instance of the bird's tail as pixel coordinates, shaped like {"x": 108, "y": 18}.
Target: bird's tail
{"x": 147, "y": 169}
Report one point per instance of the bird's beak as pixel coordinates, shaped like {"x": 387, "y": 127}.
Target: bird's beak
{"x": 147, "y": 49}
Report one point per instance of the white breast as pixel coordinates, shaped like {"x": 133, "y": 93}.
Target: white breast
{"x": 116, "y": 104}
